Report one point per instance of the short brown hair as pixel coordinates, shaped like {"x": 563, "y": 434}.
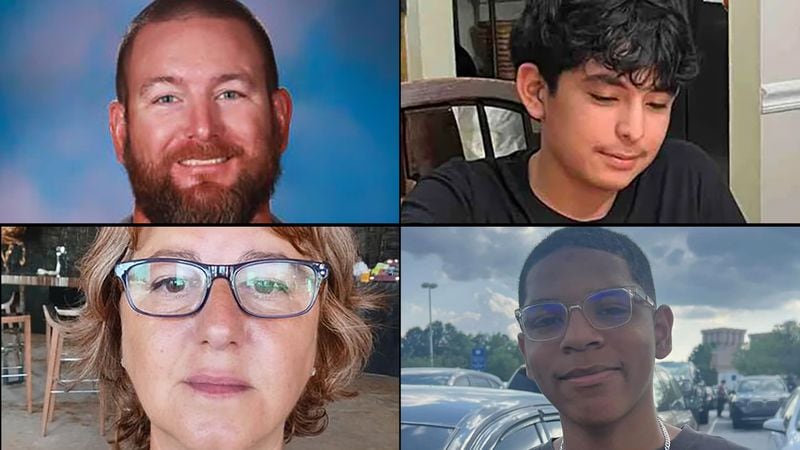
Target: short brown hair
{"x": 344, "y": 340}
{"x": 165, "y": 10}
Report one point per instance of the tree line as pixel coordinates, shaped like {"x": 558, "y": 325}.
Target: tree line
{"x": 774, "y": 353}
{"x": 453, "y": 348}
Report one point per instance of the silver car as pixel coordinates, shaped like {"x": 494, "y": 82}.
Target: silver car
{"x": 464, "y": 418}
{"x": 757, "y": 398}
{"x": 449, "y": 376}
{"x": 670, "y": 404}
{"x": 785, "y": 426}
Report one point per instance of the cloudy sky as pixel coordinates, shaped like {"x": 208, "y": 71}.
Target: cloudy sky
{"x": 338, "y": 58}
{"x": 746, "y": 278}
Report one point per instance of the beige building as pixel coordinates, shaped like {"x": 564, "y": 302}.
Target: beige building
{"x": 725, "y": 341}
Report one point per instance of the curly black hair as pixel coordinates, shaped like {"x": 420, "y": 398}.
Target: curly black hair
{"x": 650, "y": 41}
{"x": 596, "y": 239}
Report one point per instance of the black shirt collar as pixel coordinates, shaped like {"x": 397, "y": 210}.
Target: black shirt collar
{"x": 536, "y": 211}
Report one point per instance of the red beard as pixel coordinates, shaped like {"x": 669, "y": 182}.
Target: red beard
{"x": 162, "y": 201}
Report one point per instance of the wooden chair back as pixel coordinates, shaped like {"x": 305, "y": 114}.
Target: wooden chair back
{"x": 429, "y": 131}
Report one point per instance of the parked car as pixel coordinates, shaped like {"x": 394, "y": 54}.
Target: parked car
{"x": 450, "y": 418}
{"x": 670, "y": 404}
{"x": 785, "y": 426}
{"x": 520, "y": 381}
{"x": 692, "y": 386}
{"x": 449, "y": 376}
{"x": 757, "y": 399}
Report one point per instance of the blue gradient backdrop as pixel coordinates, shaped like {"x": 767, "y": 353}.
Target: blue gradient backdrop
{"x": 338, "y": 58}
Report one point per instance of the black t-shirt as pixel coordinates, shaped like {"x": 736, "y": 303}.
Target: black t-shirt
{"x": 681, "y": 185}
{"x": 687, "y": 439}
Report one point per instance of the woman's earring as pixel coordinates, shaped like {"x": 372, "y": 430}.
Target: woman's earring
{"x": 313, "y": 371}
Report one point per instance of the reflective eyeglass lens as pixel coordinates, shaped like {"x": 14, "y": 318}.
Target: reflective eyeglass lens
{"x": 544, "y": 321}
{"x": 166, "y": 288}
{"x": 608, "y": 309}
{"x": 275, "y": 288}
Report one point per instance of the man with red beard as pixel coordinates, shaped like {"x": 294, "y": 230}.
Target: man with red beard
{"x": 200, "y": 122}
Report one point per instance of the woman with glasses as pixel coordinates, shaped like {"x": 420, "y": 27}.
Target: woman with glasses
{"x": 216, "y": 338}
{"x": 590, "y": 334}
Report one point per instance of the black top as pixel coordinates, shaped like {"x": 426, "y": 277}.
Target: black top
{"x": 681, "y": 185}
{"x": 687, "y": 439}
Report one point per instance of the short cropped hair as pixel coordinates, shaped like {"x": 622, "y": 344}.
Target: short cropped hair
{"x": 647, "y": 40}
{"x": 165, "y": 10}
{"x": 596, "y": 239}
{"x": 344, "y": 336}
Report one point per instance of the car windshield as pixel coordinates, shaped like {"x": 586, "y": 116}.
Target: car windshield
{"x": 425, "y": 378}
{"x": 761, "y": 385}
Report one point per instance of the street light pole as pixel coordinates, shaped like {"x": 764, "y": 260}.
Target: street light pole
{"x": 430, "y": 286}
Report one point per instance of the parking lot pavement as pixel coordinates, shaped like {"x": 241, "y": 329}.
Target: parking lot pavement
{"x": 370, "y": 420}
{"x": 753, "y": 436}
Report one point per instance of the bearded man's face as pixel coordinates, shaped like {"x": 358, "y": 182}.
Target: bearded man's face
{"x": 203, "y": 135}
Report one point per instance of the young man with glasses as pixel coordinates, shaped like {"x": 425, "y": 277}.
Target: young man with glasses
{"x": 601, "y": 77}
{"x": 591, "y": 331}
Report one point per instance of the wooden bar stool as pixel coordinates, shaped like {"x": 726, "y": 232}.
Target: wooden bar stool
{"x": 55, "y": 356}
{"x": 25, "y": 320}
{"x": 60, "y": 313}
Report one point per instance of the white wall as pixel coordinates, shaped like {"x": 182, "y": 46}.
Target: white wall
{"x": 429, "y": 34}
{"x": 780, "y": 131}
{"x": 764, "y": 41}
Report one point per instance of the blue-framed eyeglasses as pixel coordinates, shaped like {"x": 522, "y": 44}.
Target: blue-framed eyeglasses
{"x": 604, "y": 309}
{"x": 266, "y": 288}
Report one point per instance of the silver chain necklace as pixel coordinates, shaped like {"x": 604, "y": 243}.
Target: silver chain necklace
{"x": 660, "y": 425}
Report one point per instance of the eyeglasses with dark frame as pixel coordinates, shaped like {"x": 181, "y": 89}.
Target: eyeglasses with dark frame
{"x": 264, "y": 288}
{"x": 604, "y": 309}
